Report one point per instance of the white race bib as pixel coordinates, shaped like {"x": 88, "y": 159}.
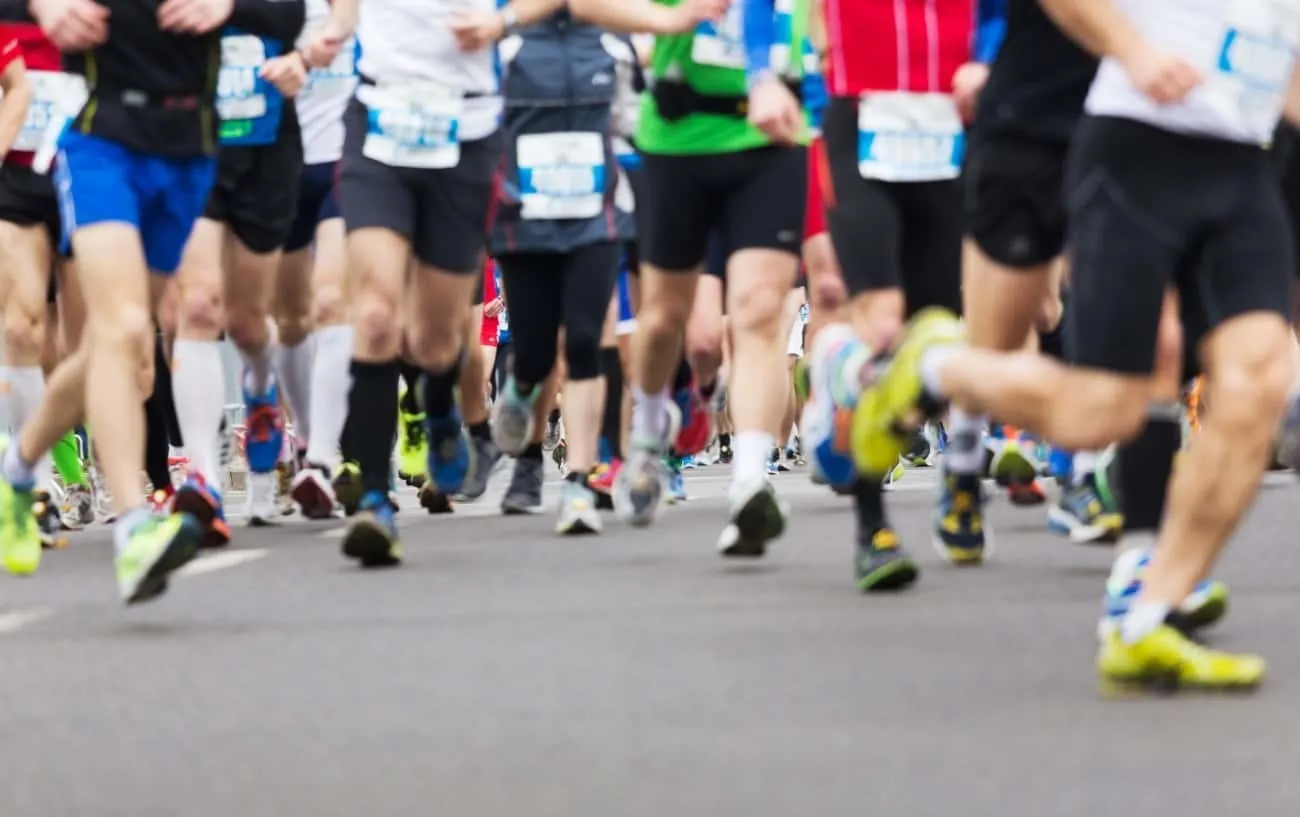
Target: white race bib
{"x": 1255, "y": 60}
{"x": 57, "y": 98}
{"x": 561, "y": 175}
{"x": 906, "y": 137}
{"x": 415, "y": 125}
{"x": 721, "y": 45}
{"x": 238, "y": 90}
{"x": 341, "y": 74}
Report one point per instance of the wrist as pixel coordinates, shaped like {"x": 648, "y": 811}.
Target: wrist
{"x": 753, "y": 79}
{"x": 509, "y": 20}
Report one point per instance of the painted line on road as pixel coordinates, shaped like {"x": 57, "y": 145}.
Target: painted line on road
{"x": 221, "y": 561}
{"x": 13, "y": 622}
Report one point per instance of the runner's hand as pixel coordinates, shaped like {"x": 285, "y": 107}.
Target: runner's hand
{"x": 287, "y": 73}
{"x": 493, "y": 308}
{"x": 967, "y": 82}
{"x": 194, "y": 16}
{"x": 477, "y": 30}
{"x": 72, "y": 25}
{"x": 775, "y": 111}
{"x": 324, "y": 46}
{"x": 688, "y": 14}
{"x": 1166, "y": 78}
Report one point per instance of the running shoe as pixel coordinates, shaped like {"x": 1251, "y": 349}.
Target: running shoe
{"x": 524, "y": 494}
{"x": 882, "y": 564}
{"x": 757, "y": 517}
{"x": 918, "y": 453}
{"x": 560, "y": 456}
{"x": 312, "y": 491}
{"x": 1013, "y": 464}
{"x": 1204, "y": 606}
{"x": 371, "y": 536}
{"x": 482, "y": 463}
{"x": 152, "y": 547}
{"x": 676, "y": 482}
{"x": 412, "y": 444}
{"x": 260, "y": 500}
{"x": 202, "y": 501}
{"x": 554, "y": 431}
{"x": 640, "y": 483}
{"x": 48, "y": 521}
{"x": 433, "y": 500}
{"x": 774, "y": 460}
{"x": 263, "y": 430}
{"x": 578, "y": 513}
{"x": 512, "y": 419}
{"x": 688, "y": 463}
{"x": 895, "y": 476}
{"x": 20, "y": 536}
{"x": 449, "y": 452}
{"x": 724, "y": 452}
{"x": 347, "y": 487}
{"x": 78, "y": 509}
{"x": 1082, "y": 516}
{"x": 959, "y": 533}
{"x": 696, "y": 422}
{"x": 772, "y": 469}
{"x": 1166, "y": 660}
{"x": 1026, "y": 494}
{"x": 891, "y": 408}
{"x": 601, "y": 481}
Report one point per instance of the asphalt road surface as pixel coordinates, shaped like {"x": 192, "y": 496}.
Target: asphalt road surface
{"x": 504, "y": 672}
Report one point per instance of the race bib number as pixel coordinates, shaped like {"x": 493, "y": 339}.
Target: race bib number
{"x": 337, "y": 77}
{"x": 723, "y": 45}
{"x": 906, "y": 137}
{"x": 57, "y": 98}
{"x": 561, "y": 175}
{"x": 414, "y": 125}
{"x": 1255, "y": 60}
{"x": 249, "y": 107}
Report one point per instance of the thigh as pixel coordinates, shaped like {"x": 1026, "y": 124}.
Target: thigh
{"x": 862, "y": 215}
{"x": 371, "y": 194}
{"x": 766, "y": 199}
{"x": 1014, "y": 211}
{"x": 679, "y": 210}
{"x": 930, "y": 253}
{"x": 452, "y": 208}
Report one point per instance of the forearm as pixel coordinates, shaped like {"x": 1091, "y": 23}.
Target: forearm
{"x": 628, "y": 16}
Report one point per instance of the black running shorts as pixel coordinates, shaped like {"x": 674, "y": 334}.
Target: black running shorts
{"x": 443, "y": 212}
{"x": 318, "y": 201}
{"x": 27, "y": 198}
{"x": 1148, "y": 209}
{"x": 1015, "y": 212}
{"x": 256, "y": 189}
{"x": 890, "y": 234}
{"x": 750, "y": 200}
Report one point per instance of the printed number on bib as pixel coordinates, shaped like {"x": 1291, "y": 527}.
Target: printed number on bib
{"x": 341, "y": 74}
{"x": 57, "y": 98}
{"x": 1254, "y": 62}
{"x": 412, "y": 125}
{"x": 561, "y": 175}
{"x": 904, "y": 137}
{"x": 238, "y": 90}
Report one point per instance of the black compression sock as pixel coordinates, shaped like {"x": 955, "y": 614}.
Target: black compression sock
{"x": 1143, "y": 467}
{"x": 440, "y": 390}
{"x": 611, "y": 423}
{"x": 372, "y": 413}
{"x": 869, "y": 507}
{"x": 481, "y": 431}
{"x": 532, "y": 452}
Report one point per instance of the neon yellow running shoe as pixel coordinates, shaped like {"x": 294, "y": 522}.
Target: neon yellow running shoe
{"x": 888, "y": 413}
{"x": 412, "y": 443}
{"x": 156, "y": 546}
{"x": 1165, "y": 659}
{"x": 347, "y": 486}
{"x": 20, "y": 537}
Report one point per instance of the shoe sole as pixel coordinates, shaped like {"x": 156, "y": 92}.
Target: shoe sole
{"x": 368, "y": 543}
{"x": 312, "y": 500}
{"x": 898, "y": 574}
{"x": 435, "y": 503}
{"x": 201, "y": 504}
{"x": 1164, "y": 684}
{"x": 179, "y": 552}
{"x": 758, "y": 523}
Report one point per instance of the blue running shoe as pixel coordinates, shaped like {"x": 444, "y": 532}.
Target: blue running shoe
{"x": 263, "y": 430}
{"x": 371, "y": 536}
{"x": 1206, "y": 604}
{"x": 448, "y": 452}
{"x": 203, "y": 502}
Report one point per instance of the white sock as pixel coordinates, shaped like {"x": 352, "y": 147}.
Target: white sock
{"x": 1085, "y": 463}
{"x": 199, "y": 391}
{"x": 929, "y": 365}
{"x": 27, "y": 390}
{"x": 293, "y": 366}
{"x": 1143, "y": 618}
{"x": 750, "y": 453}
{"x": 15, "y": 471}
{"x": 331, "y": 379}
{"x": 649, "y": 413}
{"x": 260, "y": 363}
{"x": 965, "y": 451}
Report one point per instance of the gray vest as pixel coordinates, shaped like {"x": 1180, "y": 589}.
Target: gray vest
{"x": 561, "y": 179}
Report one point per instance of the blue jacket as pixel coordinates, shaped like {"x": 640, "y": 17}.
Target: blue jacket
{"x": 560, "y": 175}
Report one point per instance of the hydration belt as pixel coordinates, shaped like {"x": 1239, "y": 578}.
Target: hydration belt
{"x": 677, "y": 100}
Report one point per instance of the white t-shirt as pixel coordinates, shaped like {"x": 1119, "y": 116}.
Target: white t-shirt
{"x": 1244, "y": 49}
{"x": 407, "y": 41}
{"x": 322, "y": 102}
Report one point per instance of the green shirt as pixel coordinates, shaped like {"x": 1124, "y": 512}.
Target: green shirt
{"x": 711, "y": 60}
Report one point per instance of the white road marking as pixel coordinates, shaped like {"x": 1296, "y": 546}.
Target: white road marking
{"x": 18, "y": 619}
{"x": 220, "y": 561}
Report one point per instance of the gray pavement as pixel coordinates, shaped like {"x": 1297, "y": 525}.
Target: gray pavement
{"x": 505, "y": 672}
